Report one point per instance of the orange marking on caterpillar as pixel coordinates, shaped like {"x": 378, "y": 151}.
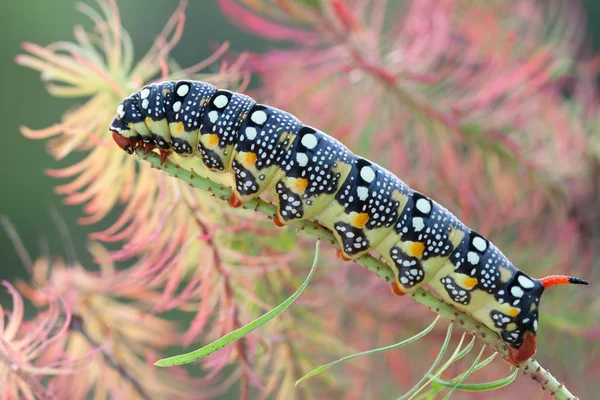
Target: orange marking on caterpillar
{"x": 212, "y": 141}
{"x": 250, "y": 159}
{"x": 397, "y": 289}
{"x": 359, "y": 220}
{"x": 299, "y": 185}
{"x": 470, "y": 282}
{"x": 416, "y": 249}
{"x": 513, "y": 312}
{"x": 179, "y": 127}
{"x": 234, "y": 201}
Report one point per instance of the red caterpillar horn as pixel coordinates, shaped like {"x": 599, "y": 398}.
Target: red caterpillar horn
{"x": 561, "y": 280}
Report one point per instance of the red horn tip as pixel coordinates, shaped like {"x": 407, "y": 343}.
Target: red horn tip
{"x": 561, "y": 280}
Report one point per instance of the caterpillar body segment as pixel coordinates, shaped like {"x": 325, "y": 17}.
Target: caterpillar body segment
{"x": 263, "y": 142}
{"x": 314, "y": 176}
{"x": 219, "y": 129}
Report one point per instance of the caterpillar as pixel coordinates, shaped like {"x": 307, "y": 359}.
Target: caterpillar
{"x": 314, "y": 176}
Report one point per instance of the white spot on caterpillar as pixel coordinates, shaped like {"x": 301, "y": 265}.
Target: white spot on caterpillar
{"x": 213, "y": 116}
{"x": 367, "y": 174}
{"x": 302, "y": 159}
{"x": 145, "y": 103}
{"x": 363, "y": 193}
{"x": 177, "y": 106}
{"x": 516, "y": 291}
{"x": 479, "y": 243}
{"x": 120, "y": 111}
{"x": 259, "y": 117}
{"x": 418, "y": 224}
{"x": 144, "y": 93}
{"x": 309, "y": 141}
{"x": 183, "y": 90}
{"x": 221, "y": 101}
{"x": 535, "y": 325}
{"x": 423, "y": 205}
{"x": 251, "y": 132}
{"x": 525, "y": 282}
{"x": 473, "y": 257}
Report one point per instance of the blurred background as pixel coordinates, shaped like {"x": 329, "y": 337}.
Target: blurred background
{"x": 27, "y": 192}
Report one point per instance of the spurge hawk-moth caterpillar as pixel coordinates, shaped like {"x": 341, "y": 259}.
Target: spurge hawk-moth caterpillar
{"x": 314, "y": 176}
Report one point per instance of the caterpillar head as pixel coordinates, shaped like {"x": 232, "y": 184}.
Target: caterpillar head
{"x": 122, "y": 133}
{"x": 522, "y": 341}
{"x": 126, "y": 144}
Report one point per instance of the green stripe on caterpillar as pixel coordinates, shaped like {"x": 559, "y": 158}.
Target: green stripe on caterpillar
{"x": 314, "y": 176}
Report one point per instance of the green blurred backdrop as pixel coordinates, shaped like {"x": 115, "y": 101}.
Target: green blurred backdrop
{"x": 27, "y": 193}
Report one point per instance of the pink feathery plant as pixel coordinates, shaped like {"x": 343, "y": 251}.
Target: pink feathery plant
{"x": 25, "y": 365}
{"x": 489, "y": 107}
{"x": 93, "y": 335}
{"x": 113, "y": 327}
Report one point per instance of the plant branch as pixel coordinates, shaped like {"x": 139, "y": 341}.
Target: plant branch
{"x": 77, "y": 326}
{"x": 548, "y": 382}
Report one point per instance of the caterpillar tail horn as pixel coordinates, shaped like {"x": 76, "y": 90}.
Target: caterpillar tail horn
{"x": 528, "y": 348}
{"x": 554, "y": 280}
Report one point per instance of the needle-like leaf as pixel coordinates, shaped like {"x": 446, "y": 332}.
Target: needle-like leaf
{"x": 240, "y": 332}
{"x": 465, "y": 375}
{"x": 379, "y": 350}
{"x": 481, "y": 387}
{"x": 434, "y": 365}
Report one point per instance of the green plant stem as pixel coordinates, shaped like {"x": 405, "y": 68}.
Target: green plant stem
{"x": 548, "y": 382}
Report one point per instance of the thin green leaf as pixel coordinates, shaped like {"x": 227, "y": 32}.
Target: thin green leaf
{"x": 478, "y": 366}
{"x": 240, "y": 332}
{"x": 464, "y": 351}
{"x": 481, "y": 387}
{"x": 464, "y": 376}
{"x": 379, "y": 350}
{"x": 434, "y": 365}
{"x": 443, "y": 367}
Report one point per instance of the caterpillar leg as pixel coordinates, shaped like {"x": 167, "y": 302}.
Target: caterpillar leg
{"x": 342, "y": 256}
{"x": 148, "y": 147}
{"x": 164, "y": 155}
{"x": 234, "y": 201}
{"x": 278, "y": 221}
{"x": 523, "y": 353}
{"x": 397, "y": 288}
